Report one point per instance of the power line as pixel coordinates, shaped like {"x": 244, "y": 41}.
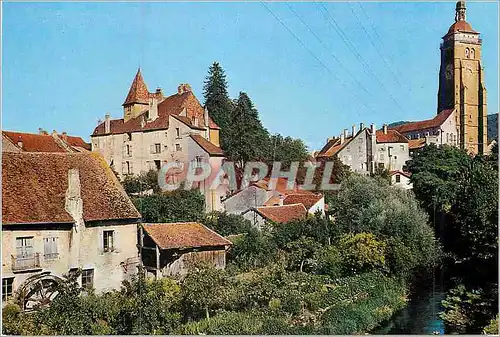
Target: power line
{"x": 310, "y": 52}
{"x": 329, "y": 50}
{"x": 353, "y": 49}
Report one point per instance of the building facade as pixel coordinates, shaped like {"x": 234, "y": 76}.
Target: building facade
{"x": 62, "y": 212}
{"x": 156, "y": 130}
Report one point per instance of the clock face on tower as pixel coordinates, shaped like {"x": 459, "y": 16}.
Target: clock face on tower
{"x": 448, "y": 72}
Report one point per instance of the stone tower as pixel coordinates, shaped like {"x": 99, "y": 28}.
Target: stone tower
{"x": 461, "y": 82}
{"x": 137, "y": 99}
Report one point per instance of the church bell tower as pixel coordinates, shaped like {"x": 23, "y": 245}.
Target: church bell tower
{"x": 461, "y": 82}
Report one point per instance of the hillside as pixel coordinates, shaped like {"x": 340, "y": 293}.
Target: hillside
{"x": 492, "y": 127}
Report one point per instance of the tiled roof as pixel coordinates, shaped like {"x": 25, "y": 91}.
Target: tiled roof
{"x": 76, "y": 141}
{"x": 281, "y": 186}
{"x": 392, "y": 136}
{"x": 461, "y": 26}
{"x": 172, "y": 105}
{"x": 210, "y": 148}
{"x": 332, "y": 147}
{"x": 426, "y": 124}
{"x": 184, "y": 235}
{"x": 308, "y": 200}
{"x": 34, "y": 142}
{"x": 406, "y": 174}
{"x": 416, "y": 143}
{"x": 34, "y": 187}
{"x": 282, "y": 214}
{"x": 138, "y": 92}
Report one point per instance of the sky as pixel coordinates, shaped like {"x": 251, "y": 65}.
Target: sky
{"x": 311, "y": 69}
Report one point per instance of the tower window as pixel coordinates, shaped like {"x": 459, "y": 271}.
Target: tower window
{"x": 472, "y": 52}
{"x": 467, "y": 52}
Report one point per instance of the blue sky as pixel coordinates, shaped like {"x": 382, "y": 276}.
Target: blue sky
{"x": 65, "y": 65}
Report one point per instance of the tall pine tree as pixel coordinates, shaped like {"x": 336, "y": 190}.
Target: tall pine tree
{"x": 248, "y": 140}
{"x": 217, "y": 100}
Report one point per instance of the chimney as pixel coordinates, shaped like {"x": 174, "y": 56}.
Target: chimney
{"x": 361, "y": 126}
{"x": 205, "y": 116}
{"x": 187, "y": 87}
{"x": 384, "y": 127}
{"x": 65, "y": 136}
{"x": 372, "y": 128}
{"x": 107, "y": 123}
{"x": 342, "y": 138}
{"x": 180, "y": 89}
{"x": 282, "y": 198}
{"x": 143, "y": 122}
{"x": 153, "y": 109}
{"x": 353, "y": 129}
{"x": 40, "y": 131}
{"x": 20, "y": 142}
{"x": 345, "y": 134}
{"x": 159, "y": 93}
{"x": 73, "y": 204}
{"x": 54, "y": 133}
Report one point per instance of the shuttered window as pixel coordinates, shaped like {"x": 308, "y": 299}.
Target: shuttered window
{"x": 24, "y": 247}
{"x": 50, "y": 248}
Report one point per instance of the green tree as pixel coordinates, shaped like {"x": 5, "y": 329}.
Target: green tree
{"x": 247, "y": 139}
{"x": 143, "y": 182}
{"x": 173, "y": 206}
{"x": 393, "y": 215}
{"x": 286, "y": 150}
{"x": 227, "y": 224}
{"x": 362, "y": 252}
{"x": 217, "y": 100}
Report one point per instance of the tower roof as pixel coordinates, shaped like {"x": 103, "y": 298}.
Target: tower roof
{"x": 138, "y": 92}
{"x": 460, "y": 25}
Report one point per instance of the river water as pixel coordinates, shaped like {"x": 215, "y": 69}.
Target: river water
{"x": 421, "y": 315}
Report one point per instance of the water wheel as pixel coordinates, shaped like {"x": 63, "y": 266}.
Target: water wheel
{"x": 38, "y": 291}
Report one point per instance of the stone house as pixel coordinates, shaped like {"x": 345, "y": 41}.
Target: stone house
{"x": 62, "y": 212}
{"x": 156, "y": 130}
{"x": 367, "y": 149}
{"x": 168, "y": 248}
{"x": 440, "y": 130}
{"x": 400, "y": 179}
{"x": 42, "y": 142}
{"x": 259, "y": 216}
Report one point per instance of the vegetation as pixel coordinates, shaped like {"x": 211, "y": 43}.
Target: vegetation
{"x": 460, "y": 193}
{"x": 306, "y": 277}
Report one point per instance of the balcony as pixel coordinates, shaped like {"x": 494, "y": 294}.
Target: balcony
{"x": 26, "y": 262}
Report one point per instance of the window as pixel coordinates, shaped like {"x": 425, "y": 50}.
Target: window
{"x": 157, "y": 148}
{"x": 178, "y": 147}
{"x": 381, "y": 156}
{"x": 402, "y": 147}
{"x": 108, "y": 240}
{"x": 158, "y": 164}
{"x": 472, "y": 52}
{"x": 128, "y": 150}
{"x": 88, "y": 278}
{"x": 50, "y": 248}
{"x": 24, "y": 247}
{"x": 177, "y": 133}
{"x": 467, "y": 52}
{"x": 198, "y": 161}
{"x": 7, "y": 288}
{"x": 129, "y": 168}
{"x": 398, "y": 178}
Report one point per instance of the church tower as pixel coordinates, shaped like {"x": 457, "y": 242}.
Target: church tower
{"x": 461, "y": 82}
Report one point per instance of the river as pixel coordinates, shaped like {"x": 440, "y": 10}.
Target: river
{"x": 421, "y": 315}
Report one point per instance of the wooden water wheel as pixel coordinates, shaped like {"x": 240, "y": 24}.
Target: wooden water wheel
{"x": 38, "y": 291}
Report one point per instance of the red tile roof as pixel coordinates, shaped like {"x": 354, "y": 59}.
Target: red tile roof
{"x": 138, "y": 92}
{"x": 406, "y": 174}
{"x": 392, "y": 136}
{"x": 75, "y": 141}
{"x": 461, "y": 26}
{"x": 333, "y": 146}
{"x": 173, "y": 105}
{"x": 34, "y": 142}
{"x": 184, "y": 235}
{"x": 416, "y": 143}
{"x": 281, "y": 186}
{"x": 212, "y": 149}
{"x": 34, "y": 187}
{"x": 282, "y": 214}
{"x": 308, "y": 200}
{"x": 426, "y": 124}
